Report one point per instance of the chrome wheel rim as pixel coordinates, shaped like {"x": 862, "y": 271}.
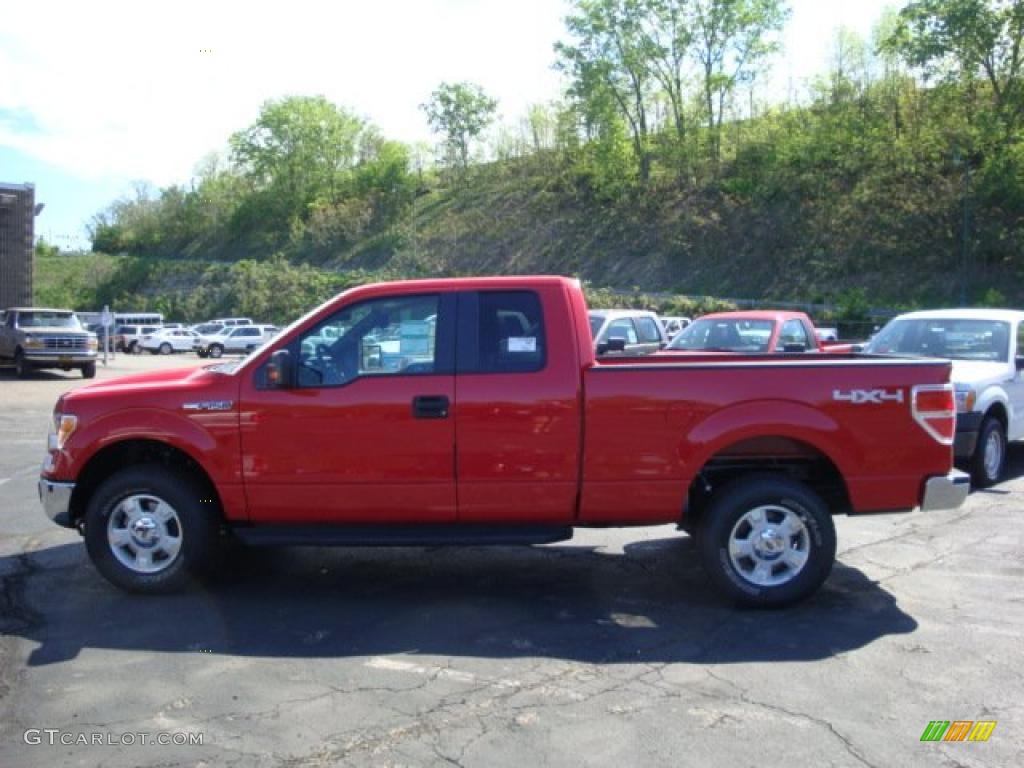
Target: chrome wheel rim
{"x": 769, "y": 546}
{"x": 144, "y": 533}
{"x": 993, "y": 457}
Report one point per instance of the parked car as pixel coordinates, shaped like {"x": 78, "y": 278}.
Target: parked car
{"x": 168, "y": 340}
{"x": 232, "y": 321}
{"x": 626, "y": 332}
{"x": 986, "y": 347}
{"x": 207, "y": 329}
{"x": 674, "y": 325}
{"x": 234, "y": 339}
{"x": 329, "y": 447}
{"x": 128, "y": 338}
{"x": 33, "y": 337}
{"x": 747, "y": 332}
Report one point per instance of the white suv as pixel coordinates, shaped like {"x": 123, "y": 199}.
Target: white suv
{"x": 240, "y": 338}
{"x": 986, "y": 347}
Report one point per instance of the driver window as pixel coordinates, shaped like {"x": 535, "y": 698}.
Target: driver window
{"x": 390, "y": 336}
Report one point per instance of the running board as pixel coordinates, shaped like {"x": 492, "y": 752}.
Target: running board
{"x": 399, "y": 535}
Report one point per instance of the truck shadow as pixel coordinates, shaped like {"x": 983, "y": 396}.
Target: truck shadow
{"x": 650, "y": 604}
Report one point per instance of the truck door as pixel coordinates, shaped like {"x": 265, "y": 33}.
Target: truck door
{"x": 518, "y": 407}
{"x": 366, "y": 435}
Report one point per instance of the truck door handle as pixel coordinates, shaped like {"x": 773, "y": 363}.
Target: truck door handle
{"x": 430, "y": 407}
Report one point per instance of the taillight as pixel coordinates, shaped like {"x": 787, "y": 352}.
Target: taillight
{"x": 934, "y": 408}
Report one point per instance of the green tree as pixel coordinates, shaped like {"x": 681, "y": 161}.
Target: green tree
{"x": 609, "y": 61}
{"x": 732, "y": 39}
{"x": 460, "y": 111}
{"x": 968, "y": 39}
{"x": 300, "y": 150}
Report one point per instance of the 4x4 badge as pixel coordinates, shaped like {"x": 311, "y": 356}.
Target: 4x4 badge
{"x": 866, "y": 396}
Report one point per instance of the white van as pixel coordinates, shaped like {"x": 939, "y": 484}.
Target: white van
{"x": 232, "y": 321}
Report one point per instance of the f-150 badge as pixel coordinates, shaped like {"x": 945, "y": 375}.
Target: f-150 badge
{"x": 868, "y": 396}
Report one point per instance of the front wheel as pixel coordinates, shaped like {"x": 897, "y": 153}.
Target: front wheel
{"x": 22, "y": 369}
{"x": 989, "y": 459}
{"x": 216, "y": 350}
{"x": 89, "y": 371}
{"x": 146, "y": 529}
{"x": 767, "y": 541}
{"x": 165, "y": 349}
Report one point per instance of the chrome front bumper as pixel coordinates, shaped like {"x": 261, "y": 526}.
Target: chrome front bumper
{"x": 946, "y": 492}
{"x": 56, "y": 500}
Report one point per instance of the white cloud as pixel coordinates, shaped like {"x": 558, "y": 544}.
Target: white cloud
{"x": 123, "y": 90}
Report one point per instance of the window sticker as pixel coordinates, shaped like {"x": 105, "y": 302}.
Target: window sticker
{"x": 522, "y": 344}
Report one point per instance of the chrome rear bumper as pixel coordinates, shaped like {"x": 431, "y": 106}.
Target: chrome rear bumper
{"x": 946, "y": 492}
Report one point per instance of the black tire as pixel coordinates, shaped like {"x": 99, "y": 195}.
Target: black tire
{"x": 785, "y": 498}
{"x": 216, "y": 350}
{"x": 134, "y": 348}
{"x": 989, "y": 460}
{"x": 196, "y": 525}
{"x": 89, "y": 371}
{"x": 165, "y": 349}
{"x": 22, "y": 369}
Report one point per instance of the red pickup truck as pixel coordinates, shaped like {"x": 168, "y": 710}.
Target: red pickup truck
{"x": 752, "y": 332}
{"x": 473, "y": 411}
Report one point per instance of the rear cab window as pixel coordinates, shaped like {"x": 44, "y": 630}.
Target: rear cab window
{"x": 501, "y": 332}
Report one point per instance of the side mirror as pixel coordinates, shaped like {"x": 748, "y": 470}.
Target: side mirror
{"x": 1020, "y": 362}
{"x": 857, "y": 348}
{"x": 279, "y": 370}
{"x": 614, "y": 344}
{"x": 797, "y": 347}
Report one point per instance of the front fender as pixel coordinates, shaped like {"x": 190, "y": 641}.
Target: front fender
{"x": 209, "y": 438}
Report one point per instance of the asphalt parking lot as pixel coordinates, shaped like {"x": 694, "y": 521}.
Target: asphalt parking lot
{"x": 610, "y": 649}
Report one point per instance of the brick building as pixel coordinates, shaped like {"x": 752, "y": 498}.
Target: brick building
{"x": 17, "y": 219}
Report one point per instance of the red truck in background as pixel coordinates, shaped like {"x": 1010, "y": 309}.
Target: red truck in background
{"x": 751, "y": 332}
{"x": 473, "y": 411}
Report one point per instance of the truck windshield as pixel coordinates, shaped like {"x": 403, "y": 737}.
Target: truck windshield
{"x": 49, "y": 320}
{"x": 951, "y": 339}
{"x": 596, "y": 321}
{"x": 725, "y": 335}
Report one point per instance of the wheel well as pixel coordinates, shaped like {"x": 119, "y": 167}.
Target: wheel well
{"x": 998, "y": 410}
{"x": 131, "y": 452}
{"x": 784, "y": 456}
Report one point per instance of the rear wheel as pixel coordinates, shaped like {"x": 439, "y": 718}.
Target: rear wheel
{"x": 165, "y": 349}
{"x": 989, "y": 459}
{"x": 146, "y": 530}
{"x": 134, "y": 348}
{"x": 767, "y": 541}
{"x": 216, "y": 350}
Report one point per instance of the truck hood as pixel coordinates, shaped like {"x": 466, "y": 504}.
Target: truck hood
{"x": 977, "y": 373}
{"x": 152, "y": 385}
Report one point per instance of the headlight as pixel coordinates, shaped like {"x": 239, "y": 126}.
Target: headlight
{"x": 965, "y": 399}
{"x": 92, "y": 343}
{"x": 64, "y": 425}
{"x": 33, "y": 342}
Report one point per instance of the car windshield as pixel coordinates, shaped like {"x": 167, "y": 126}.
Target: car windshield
{"x": 725, "y": 335}
{"x": 952, "y": 339}
{"x": 48, "y": 320}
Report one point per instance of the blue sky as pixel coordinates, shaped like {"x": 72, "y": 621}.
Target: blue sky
{"x": 97, "y": 96}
